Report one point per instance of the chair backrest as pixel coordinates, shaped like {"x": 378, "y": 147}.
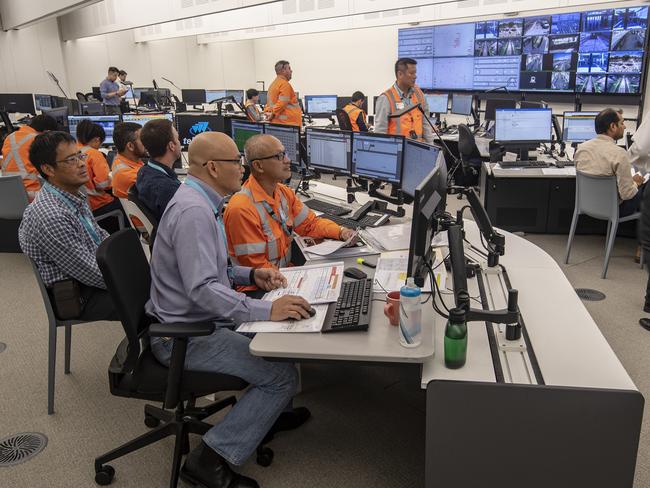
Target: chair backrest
{"x": 81, "y": 97}
{"x": 466, "y": 143}
{"x": 132, "y": 210}
{"x": 135, "y": 198}
{"x": 343, "y": 119}
{"x": 126, "y": 273}
{"x": 4, "y": 116}
{"x": 596, "y": 196}
{"x": 49, "y": 309}
{"x": 13, "y": 198}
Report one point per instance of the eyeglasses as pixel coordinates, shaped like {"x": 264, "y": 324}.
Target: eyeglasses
{"x": 239, "y": 162}
{"x": 74, "y": 158}
{"x": 279, "y": 156}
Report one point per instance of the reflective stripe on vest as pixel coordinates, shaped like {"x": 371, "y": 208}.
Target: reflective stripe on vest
{"x": 353, "y": 113}
{"x": 271, "y": 245}
{"x": 14, "y": 155}
{"x": 91, "y": 191}
{"x": 392, "y": 96}
{"x": 119, "y": 166}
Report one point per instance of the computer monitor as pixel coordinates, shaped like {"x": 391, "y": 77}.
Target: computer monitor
{"x": 461, "y": 104}
{"x": 527, "y": 104}
{"x": 91, "y": 108}
{"x": 138, "y": 91}
{"x": 241, "y": 131}
{"x": 193, "y": 96}
{"x": 190, "y": 125}
{"x": 492, "y": 104}
{"x": 438, "y": 102}
{"x": 106, "y": 121}
{"x": 263, "y": 97}
{"x": 289, "y": 136}
{"x": 144, "y": 118}
{"x": 579, "y": 126}
{"x": 17, "y": 103}
{"x": 420, "y": 159}
{"x": 43, "y": 102}
{"x": 237, "y": 94}
{"x": 329, "y": 150}
{"x": 150, "y": 98}
{"x": 523, "y": 125}
{"x": 320, "y": 104}
{"x": 97, "y": 93}
{"x": 377, "y": 156}
{"x": 213, "y": 95}
{"x": 60, "y": 114}
{"x": 429, "y": 199}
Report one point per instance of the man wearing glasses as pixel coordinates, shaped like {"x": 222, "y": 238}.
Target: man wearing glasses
{"x": 58, "y": 230}
{"x": 261, "y": 219}
{"x": 191, "y": 281}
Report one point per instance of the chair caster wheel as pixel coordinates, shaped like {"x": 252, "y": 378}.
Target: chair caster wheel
{"x": 264, "y": 456}
{"x": 151, "y": 421}
{"x": 105, "y": 475}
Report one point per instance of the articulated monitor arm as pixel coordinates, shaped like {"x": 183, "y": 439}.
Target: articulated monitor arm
{"x": 509, "y": 316}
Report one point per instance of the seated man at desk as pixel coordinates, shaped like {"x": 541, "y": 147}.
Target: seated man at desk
{"x": 128, "y": 161}
{"x": 191, "y": 280}
{"x": 602, "y": 157}
{"x": 356, "y": 113}
{"x": 261, "y": 219}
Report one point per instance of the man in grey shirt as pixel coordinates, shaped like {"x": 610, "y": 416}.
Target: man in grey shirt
{"x": 111, "y": 92}
{"x": 191, "y": 280}
{"x": 403, "y": 94}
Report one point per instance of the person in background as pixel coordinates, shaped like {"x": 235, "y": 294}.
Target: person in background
{"x": 58, "y": 231}
{"x": 128, "y": 161}
{"x": 356, "y": 113}
{"x": 157, "y": 181}
{"x": 15, "y": 153}
{"x": 403, "y": 94}
{"x": 111, "y": 92}
{"x": 283, "y": 106}
{"x": 90, "y": 137}
{"x": 251, "y": 106}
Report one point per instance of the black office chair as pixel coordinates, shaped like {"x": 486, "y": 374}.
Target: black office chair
{"x": 81, "y": 97}
{"x": 134, "y": 371}
{"x": 343, "y": 119}
{"x": 470, "y": 157}
{"x": 135, "y": 198}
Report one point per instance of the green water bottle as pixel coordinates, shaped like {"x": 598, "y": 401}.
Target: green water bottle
{"x": 456, "y": 339}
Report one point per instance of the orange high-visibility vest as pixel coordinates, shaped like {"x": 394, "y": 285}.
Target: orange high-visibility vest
{"x": 411, "y": 121}
{"x": 124, "y": 172}
{"x": 252, "y": 111}
{"x": 99, "y": 179}
{"x": 15, "y": 162}
{"x": 353, "y": 112}
{"x": 283, "y": 103}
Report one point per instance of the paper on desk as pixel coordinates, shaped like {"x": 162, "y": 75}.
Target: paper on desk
{"x": 330, "y": 246}
{"x": 312, "y": 324}
{"x": 388, "y": 237}
{"x": 359, "y": 249}
{"x": 390, "y": 274}
{"x": 316, "y": 283}
{"x": 510, "y": 156}
{"x": 558, "y": 171}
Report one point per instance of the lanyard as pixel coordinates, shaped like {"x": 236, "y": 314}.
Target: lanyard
{"x": 282, "y": 220}
{"x": 157, "y": 168}
{"x": 199, "y": 188}
{"x": 85, "y": 221}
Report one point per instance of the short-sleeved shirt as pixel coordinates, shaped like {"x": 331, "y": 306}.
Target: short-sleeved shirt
{"x": 108, "y": 86}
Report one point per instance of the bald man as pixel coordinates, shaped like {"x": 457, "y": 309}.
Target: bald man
{"x": 261, "y": 219}
{"x": 191, "y": 281}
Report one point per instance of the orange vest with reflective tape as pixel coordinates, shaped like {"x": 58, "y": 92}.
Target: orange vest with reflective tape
{"x": 282, "y": 102}
{"x": 15, "y": 162}
{"x": 353, "y": 112}
{"x": 99, "y": 179}
{"x": 252, "y": 111}
{"x": 411, "y": 121}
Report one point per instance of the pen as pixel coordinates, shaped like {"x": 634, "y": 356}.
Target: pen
{"x": 365, "y": 263}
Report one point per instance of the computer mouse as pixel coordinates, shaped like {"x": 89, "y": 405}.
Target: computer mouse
{"x": 355, "y": 273}
{"x": 559, "y": 164}
{"x": 311, "y": 312}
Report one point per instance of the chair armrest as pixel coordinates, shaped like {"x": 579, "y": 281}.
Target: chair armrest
{"x": 188, "y": 329}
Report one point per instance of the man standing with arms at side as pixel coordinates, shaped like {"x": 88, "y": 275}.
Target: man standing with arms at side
{"x": 282, "y": 106}
{"x": 111, "y": 92}
{"x": 191, "y": 280}
{"x": 403, "y": 94}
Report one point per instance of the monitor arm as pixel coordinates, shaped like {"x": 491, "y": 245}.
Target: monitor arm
{"x": 509, "y": 316}
{"x": 396, "y": 199}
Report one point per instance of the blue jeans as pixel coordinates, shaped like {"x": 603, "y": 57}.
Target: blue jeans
{"x": 273, "y": 385}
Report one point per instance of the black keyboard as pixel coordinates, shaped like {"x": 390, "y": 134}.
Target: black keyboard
{"x": 367, "y": 221}
{"x": 328, "y": 208}
{"x": 352, "y": 310}
{"x": 524, "y": 164}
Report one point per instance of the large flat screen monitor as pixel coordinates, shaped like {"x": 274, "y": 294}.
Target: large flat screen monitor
{"x": 241, "y": 131}
{"x": 579, "y": 126}
{"x": 329, "y": 150}
{"x": 461, "y": 104}
{"x": 193, "y": 96}
{"x": 438, "y": 102}
{"x": 492, "y": 104}
{"x": 593, "y": 51}
{"x": 106, "y": 121}
{"x": 377, "y": 156}
{"x": 17, "y": 103}
{"x": 523, "y": 125}
{"x": 420, "y": 159}
{"x": 320, "y": 104}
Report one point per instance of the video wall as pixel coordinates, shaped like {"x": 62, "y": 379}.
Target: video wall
{"x": 599, "y": 51}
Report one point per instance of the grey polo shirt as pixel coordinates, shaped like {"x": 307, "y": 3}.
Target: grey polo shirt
{"x": 108, "y": 86}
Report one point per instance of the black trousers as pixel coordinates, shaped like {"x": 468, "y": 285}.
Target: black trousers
{"x": 96, "y": 304}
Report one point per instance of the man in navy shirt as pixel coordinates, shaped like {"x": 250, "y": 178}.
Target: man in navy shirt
{"x": 111, "y": 92}
{"x": 157, "y": 182}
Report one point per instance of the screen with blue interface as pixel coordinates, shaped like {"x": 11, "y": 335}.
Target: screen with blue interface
{"x": 329, "y": 150}
{"x": 106, "y": 121}
{"x": 522, "y": 124}
{"x": 377, "y": 156}
{"x": 320, "y": 104}
{"x": 597, "y": 51}
{"x": 419, "y": 160}
{"x": 461, "y": 104}
{"x": 438, "y": 102}
{"x": 579, "y": 126}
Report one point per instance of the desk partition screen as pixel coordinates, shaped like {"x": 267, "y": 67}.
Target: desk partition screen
{"x": 329, "y": 150}
{"x": 579, "y": 126}
{"x": 377, "y": 156}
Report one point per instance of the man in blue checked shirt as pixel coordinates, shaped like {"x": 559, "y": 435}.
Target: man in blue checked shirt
{"x": 58, "y": 230}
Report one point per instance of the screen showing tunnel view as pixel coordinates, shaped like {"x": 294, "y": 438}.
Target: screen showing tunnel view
{"x": 598, "y": 51}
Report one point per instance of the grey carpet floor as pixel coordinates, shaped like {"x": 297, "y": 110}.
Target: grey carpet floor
{"x": 368, "y": 422}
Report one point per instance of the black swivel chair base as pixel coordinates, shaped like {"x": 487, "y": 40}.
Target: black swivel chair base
{"x": 180, "y": 423}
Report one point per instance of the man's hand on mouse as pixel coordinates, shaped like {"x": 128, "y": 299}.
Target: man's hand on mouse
{"x": 290, "y": 307}
{"x": 269, "y": 279}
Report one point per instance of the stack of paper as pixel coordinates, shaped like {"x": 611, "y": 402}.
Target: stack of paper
{"x": 388, "y": 237}
{"x": 306, "y": 244}
{"x": 391, "y": 272}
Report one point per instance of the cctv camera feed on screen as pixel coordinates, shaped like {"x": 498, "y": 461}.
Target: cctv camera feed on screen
{"x": 598, "y": 51}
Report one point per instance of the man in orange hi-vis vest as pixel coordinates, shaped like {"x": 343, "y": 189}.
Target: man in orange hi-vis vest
{"x": 403, "y": 94}
{"x": 282, "y": 102}
{"x": 15, "y": 153}
{"x": 355, "y": 112}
